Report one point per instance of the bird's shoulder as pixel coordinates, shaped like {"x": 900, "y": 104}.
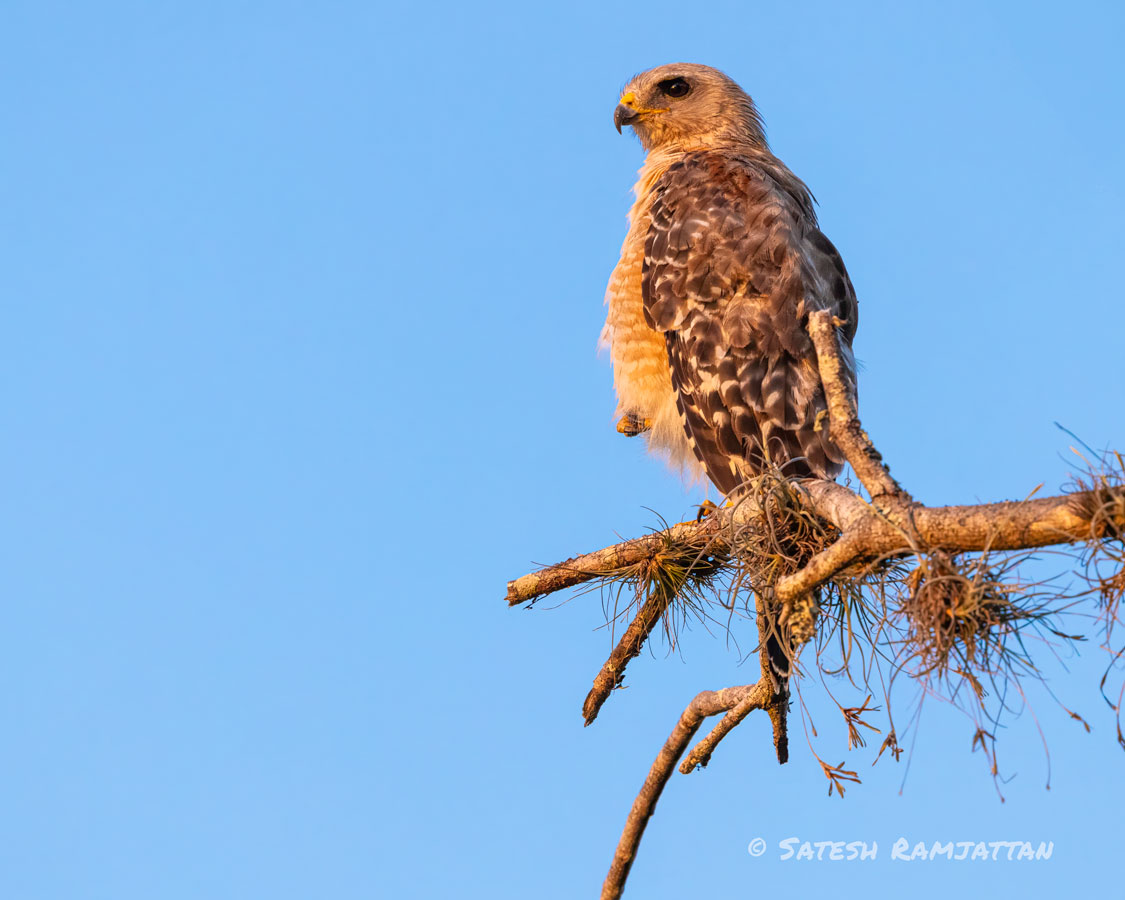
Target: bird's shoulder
{"x": 726, "y": 224}
{"x": 722, "y": 225}
{"x": 724, "y": 181}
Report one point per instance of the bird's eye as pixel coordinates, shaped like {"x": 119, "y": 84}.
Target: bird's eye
{"x": 674, "y": 87}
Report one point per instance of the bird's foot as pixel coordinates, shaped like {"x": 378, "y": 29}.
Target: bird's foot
{"x": 706, "y": 508}
{"x": 631, "y": 425}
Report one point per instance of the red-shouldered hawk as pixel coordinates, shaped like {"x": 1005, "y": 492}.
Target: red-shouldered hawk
{"x": 708, "y": 304}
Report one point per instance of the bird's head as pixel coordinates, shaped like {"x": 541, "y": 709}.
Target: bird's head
{"x": 687, "y": 105}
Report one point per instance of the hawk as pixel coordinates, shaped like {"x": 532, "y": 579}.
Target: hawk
{"x": 708, "y": 303}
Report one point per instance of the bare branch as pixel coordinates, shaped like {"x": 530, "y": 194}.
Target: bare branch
{"x": 843, "y": 420}
{"x": 1009, "y": 525}
{"x": 821, "y": 568}
{"x": 701, "y": 753}
{"x": 580, "y": 569}
{"x": 613, "y": 671}
{"x": 705, "y": 704}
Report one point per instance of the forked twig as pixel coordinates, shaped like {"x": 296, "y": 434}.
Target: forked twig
{"x": 705, "y": 704}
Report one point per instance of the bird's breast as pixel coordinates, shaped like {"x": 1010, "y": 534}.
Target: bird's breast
{"x": 640, "y": 357}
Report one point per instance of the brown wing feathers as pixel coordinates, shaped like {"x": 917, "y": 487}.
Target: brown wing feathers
{"x": 733, "y": 261}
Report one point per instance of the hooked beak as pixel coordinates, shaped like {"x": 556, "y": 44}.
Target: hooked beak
{"x": 624, "y": 115}
{"x": 628, "y": 111}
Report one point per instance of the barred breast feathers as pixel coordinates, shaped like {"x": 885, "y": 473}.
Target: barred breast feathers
{"x": 641, "y": 375}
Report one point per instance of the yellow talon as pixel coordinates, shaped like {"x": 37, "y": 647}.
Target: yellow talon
{"x": 631, "y": 425}
{"x": 706, "y": 508}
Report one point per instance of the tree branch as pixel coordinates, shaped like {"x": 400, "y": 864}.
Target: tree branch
{"x": 701, "y": 753}
{"x": 705, "y": 704}
{"x": 889, "y": 525}
{"x": 866, "y": 534}
{"x": 613, "y": 671}
{"x": 580, "y": 569}
{"x": 844, "y": 426}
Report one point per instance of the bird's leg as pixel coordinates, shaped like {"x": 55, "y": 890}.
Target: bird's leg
{"x": 631, "y": 425}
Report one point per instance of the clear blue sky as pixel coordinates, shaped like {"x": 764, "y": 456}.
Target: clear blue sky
{"x": 298, "y": 368}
